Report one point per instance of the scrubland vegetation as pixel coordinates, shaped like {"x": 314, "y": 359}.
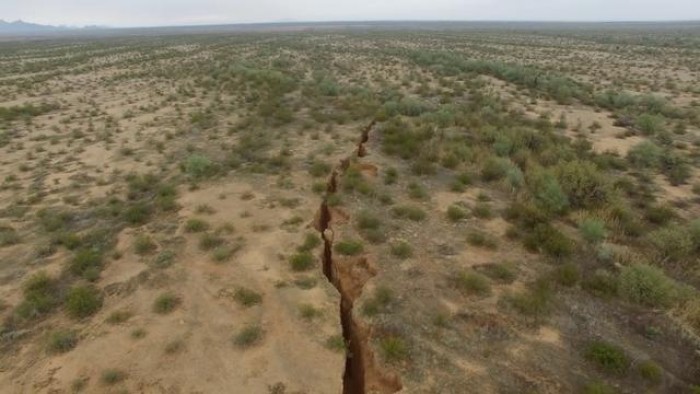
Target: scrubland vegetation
{"x": 523, "y": 216}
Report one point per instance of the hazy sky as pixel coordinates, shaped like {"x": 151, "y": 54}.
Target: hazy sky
{"x": 178, "y": 12}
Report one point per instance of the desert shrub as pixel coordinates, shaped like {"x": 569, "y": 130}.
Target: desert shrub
{"x": 379, "y": 302}
{"x": 500, "y": 272}
{"x": 567, "y": 274}
{"x": 302, "y": 261}
{"x": 224, "y": 252}
{"x": 349, "y": 247}
{"x": 119, "y": 316}
{"x": 112, "y": 376}
{"x": 650, "y": 124}
{"x": 409, "y": 212}
{"x": 545, "y": 238}
{"x": 676, "y": 168}
{"x": 41, "y": 295}
{"x": 482, "y": 239}
{"x": 319, "y": 168}
{"x": 645, "y": 154}
{"x": 391, "y": 176}
{"x": 311, "y": 241}
{"x": 164, "y": 259}
{"x": 394, "y": 349}
{"x": 647, "y": 285}
{"x": 584, "y": 184}
{"x": 138, "y": 213}
{"x": 607, "y": 357}
{"x": 495, "y": 168}
{"x": 61, "y": 341}
{"x": 659, "y": 214}
{"x": 598, "y": 387}
{"x": 8, "y": 236}
{"x": 547, "y": 192}
{"x": 247, "y": 297}
{"x": 166, "y": 303}
{"x": 336, "y": 343}
{"x": 209, "y": 241}
{"x": 417, "y": 192}
{"x": 195, "y": 225}
{"x": 248, "y": 336}
{"x": 456, "y": 213}
{"x": 482, "y": 210}
{"x": 673, "y": 242}
{"x": 473, "y": 283}
{"x": 601, "y": 283}
{"x": 535, "y": 302}
{"x": 368, "y": 221}
{"x": 650, "y": 371}
{"x": 592, "y": 230}
{"x": 83, "y": 301}
{"x": 143, "y": 244}
{"x": 401, "y": 250}
{"x": 309, "y": 312}
{"x": 199, "y": 167}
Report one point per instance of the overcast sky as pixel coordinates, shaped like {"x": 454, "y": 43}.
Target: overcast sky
{"x": 179, "y": 12}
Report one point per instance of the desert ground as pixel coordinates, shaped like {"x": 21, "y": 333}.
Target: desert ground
{"x": 404, "y": 210}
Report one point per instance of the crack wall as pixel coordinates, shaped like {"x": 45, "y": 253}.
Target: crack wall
{"x": 361, "y": 372}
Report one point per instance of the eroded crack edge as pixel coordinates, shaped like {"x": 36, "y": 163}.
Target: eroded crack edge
{"x": 360, "y": 371}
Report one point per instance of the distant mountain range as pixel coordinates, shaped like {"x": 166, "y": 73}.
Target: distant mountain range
{"x": 26, "y": 28}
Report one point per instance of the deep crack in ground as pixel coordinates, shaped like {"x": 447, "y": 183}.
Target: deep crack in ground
{"x": 361, "y": 374}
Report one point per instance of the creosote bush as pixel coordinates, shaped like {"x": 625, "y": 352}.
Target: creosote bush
{"x": 607, "y": 357}
{"x": 83, "y": 301}
{"x": 647, "y": 285}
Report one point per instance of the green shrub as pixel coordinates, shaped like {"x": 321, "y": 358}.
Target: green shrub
{"x": 118, "y": 317}
{"x": 195, "y": 225}
{"x": 409, "y": 212}
{"x": 40, "y": 296}
{"x": 83, "y": 301}
{"x": 503, "y": 272}
{"x": 602, "y": 284}
{"x": 482, "y": 210}
{"x": 8, "y": 236}
{"x": 547, "y": 239}
{"x": 86, "y": 262}
{"x": 659, "y": 214}
{"x": 209, "y": 241}
{"x": 143, "y": 244}
{"x": 61, "y": 341}
{"x": 367, "y": 220}
{"x": 647, "y": 285}
{"x": 379, "y": 302}
{"x": 138, "y": 213}
{"x": 248, "y": 336}
{"x": 547, "y": 192}
{"x": 394, "y": 349}
{"x": 651, "y": 372}
{"x": 536, "y": 301}
{"x": 672, "y": 243}
{"x": 247, "y": 297}
{"x": 646, "y": 154}
{"x": 302, "y": 261}
{"x": 584, "y": 184}
{"x": 311, "y": 241}
{"x": 112, "y": 376}
{"x": 319, "y": 169}
{"x": 567, "y": 274}
{"x": 482, "y": 239}
{"x": 401, "y": 250}
{"x": 592, "y": 230}
{"x": 308, "y": 312}
{"x": 166, "y": 303}
{"x": 199, "y": 167}
{"x": 417, "y": 192}
{"x": 495, "y": 168}
{"x": 473, "y": 283}
{"x": 650, "y": 124}
{"x": 349, "y": 248}
{"x": 607, "y": 357}
{"x": 164, "y": 259}
{"x": 598, "y": 387}
{"x": 456, "y": 213}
